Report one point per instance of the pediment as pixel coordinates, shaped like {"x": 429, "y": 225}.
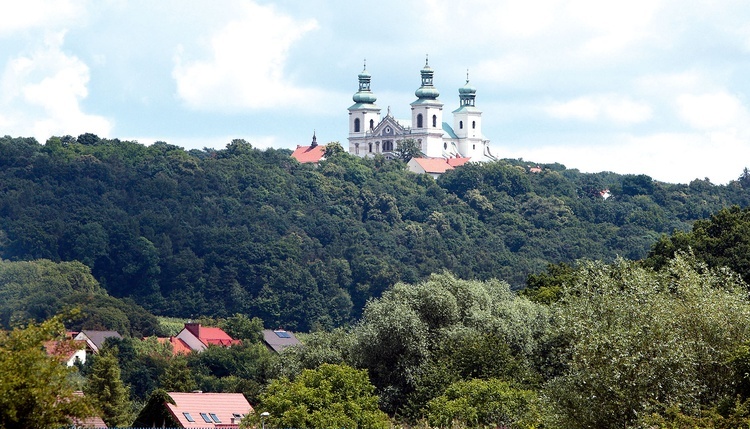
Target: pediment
{"x": 389, "y": 127}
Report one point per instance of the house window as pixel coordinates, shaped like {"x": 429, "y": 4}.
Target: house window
{"x": 461, "y": 124}
{"x": 356, "y": 125}
{"x": 434, "y": 121}
{"x": 215, "y": 418}
{"x": 372, "y": 124}
{"x": 206, "y": 418}
{"x": 473, "y": 124}
{"x": 188, "y": 417}
{"x": 419, "y": 121}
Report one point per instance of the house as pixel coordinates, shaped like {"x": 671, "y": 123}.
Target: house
{"x": 208, "y": 410}
{"x": 95, "y": 339}
{"x": 434, "y": 166}
{"x": 179, "y": 347}
{"x": 198, "y": 337}
{"x": 68, "y": 351}
{"x": 312, "y": 154}
{"x": 370, "y": 135}
{"x": 279, "y": 339}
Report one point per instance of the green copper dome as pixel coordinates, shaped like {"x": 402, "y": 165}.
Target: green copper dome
{"x": 427, "y": 90}
{"x": 364, "y": 95}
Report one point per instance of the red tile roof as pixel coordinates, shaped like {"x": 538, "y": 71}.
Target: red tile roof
{"x": 306, "y": 154}
{"x": 224, "y": 406}
{"x": 211, "y": 336}
{"x": 179, "y": 347}
{"x": 439, "y": 165}
{"x": 64, "y": 350}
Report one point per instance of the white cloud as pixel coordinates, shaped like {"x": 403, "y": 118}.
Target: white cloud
{"x": 670, "y": 157}
{"x": 246, "y": 70}
{"x": 618, "y": 109}
{"x": 29, "y": 14}
{"x": 42, "y": 92}
{"x": 712, "y": 111}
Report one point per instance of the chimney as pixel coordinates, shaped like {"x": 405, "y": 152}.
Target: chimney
{"x": 194, "y": 328}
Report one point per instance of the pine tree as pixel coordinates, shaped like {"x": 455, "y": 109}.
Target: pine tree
{"x": 107, "y": 391}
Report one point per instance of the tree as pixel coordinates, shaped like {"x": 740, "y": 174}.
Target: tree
{"x": 36, "y": 390}
{"x": 155, "y": 412}
{"x": 331, "y": 396}
{"x": 484, "y": 403}
{"x": 332, "y": 149}
{"x": 407, "y": 149}
{"x": 107, "y": 390}
{"x": 639, "y": 342}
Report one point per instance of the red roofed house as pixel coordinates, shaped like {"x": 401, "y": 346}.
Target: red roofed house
{"x": 179, "y": 346}
{"x": 435, "y": 166}
{"x": 68, "y": 351}
{"x": 198, "y": 337}
{"x": 310, "y": 154}
{"x": 199, "y": 410}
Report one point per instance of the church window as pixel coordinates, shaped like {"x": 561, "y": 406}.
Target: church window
{"x": 356, "y": 148}
{"x": 473, "y": 124}
{"x": 388, "y": 146}
{"x": 473, "y": 146}
{"x": 356, "y": 125}
{"x": 445, "y": 145}
{"x": 434, "y": 121}
{"x": 461, "y": 124}
{"x": 372, "y": 124}
{"x": 419, "y": 143}
{"x": 370, "y": 147}
{"x": 419, "y": 120}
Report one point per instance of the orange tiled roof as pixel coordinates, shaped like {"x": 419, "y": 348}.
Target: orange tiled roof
{"x": 440, "y": 165}
{"x": 211, "y": 336}
{"x": 306, "y": 154}
{"x": 179, "y": 347}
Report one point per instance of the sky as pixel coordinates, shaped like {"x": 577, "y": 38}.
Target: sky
{"x": 657, "y": 87}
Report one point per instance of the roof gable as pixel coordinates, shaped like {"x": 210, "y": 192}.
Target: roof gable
{"x": 309, "y": 154}
{"x": 389, "y": 126}
{"x": 96, "y": 338}
{"x": 227, "y": 408}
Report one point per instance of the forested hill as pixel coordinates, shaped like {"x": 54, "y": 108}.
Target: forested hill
{"x": 189, "y": 233}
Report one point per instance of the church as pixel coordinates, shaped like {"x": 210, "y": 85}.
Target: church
{"x": 369, "y": 134}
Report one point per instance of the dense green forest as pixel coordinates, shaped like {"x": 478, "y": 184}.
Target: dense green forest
{"x": 242, "y": 230}
{"x": 492, "y": 297}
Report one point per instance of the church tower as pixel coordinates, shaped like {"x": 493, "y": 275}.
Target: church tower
{"x": 364, "y": 115}
{"x": 467, "y": 122}
{"x": 427, "y": 115}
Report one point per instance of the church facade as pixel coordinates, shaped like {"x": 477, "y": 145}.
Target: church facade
{"x": 369, "y": 134}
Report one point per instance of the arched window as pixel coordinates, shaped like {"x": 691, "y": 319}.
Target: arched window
{"x": 356, "y": 148}
{"x": 356, "y": 125}
{"x": 388, "y": 146}
{"x": 445, "y": 145}
{"x": 461, "y": 125}
{"x": 372, "y": 124}
{"x": 473, "y": 124}
{"x": 370, "y": 147}
{"x": 419, "y": 120}
{"x": 434, "y": 121}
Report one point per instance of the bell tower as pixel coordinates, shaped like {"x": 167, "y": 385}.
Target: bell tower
{"x": 427, "y": 114}
{"x": 364, "y": 115}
